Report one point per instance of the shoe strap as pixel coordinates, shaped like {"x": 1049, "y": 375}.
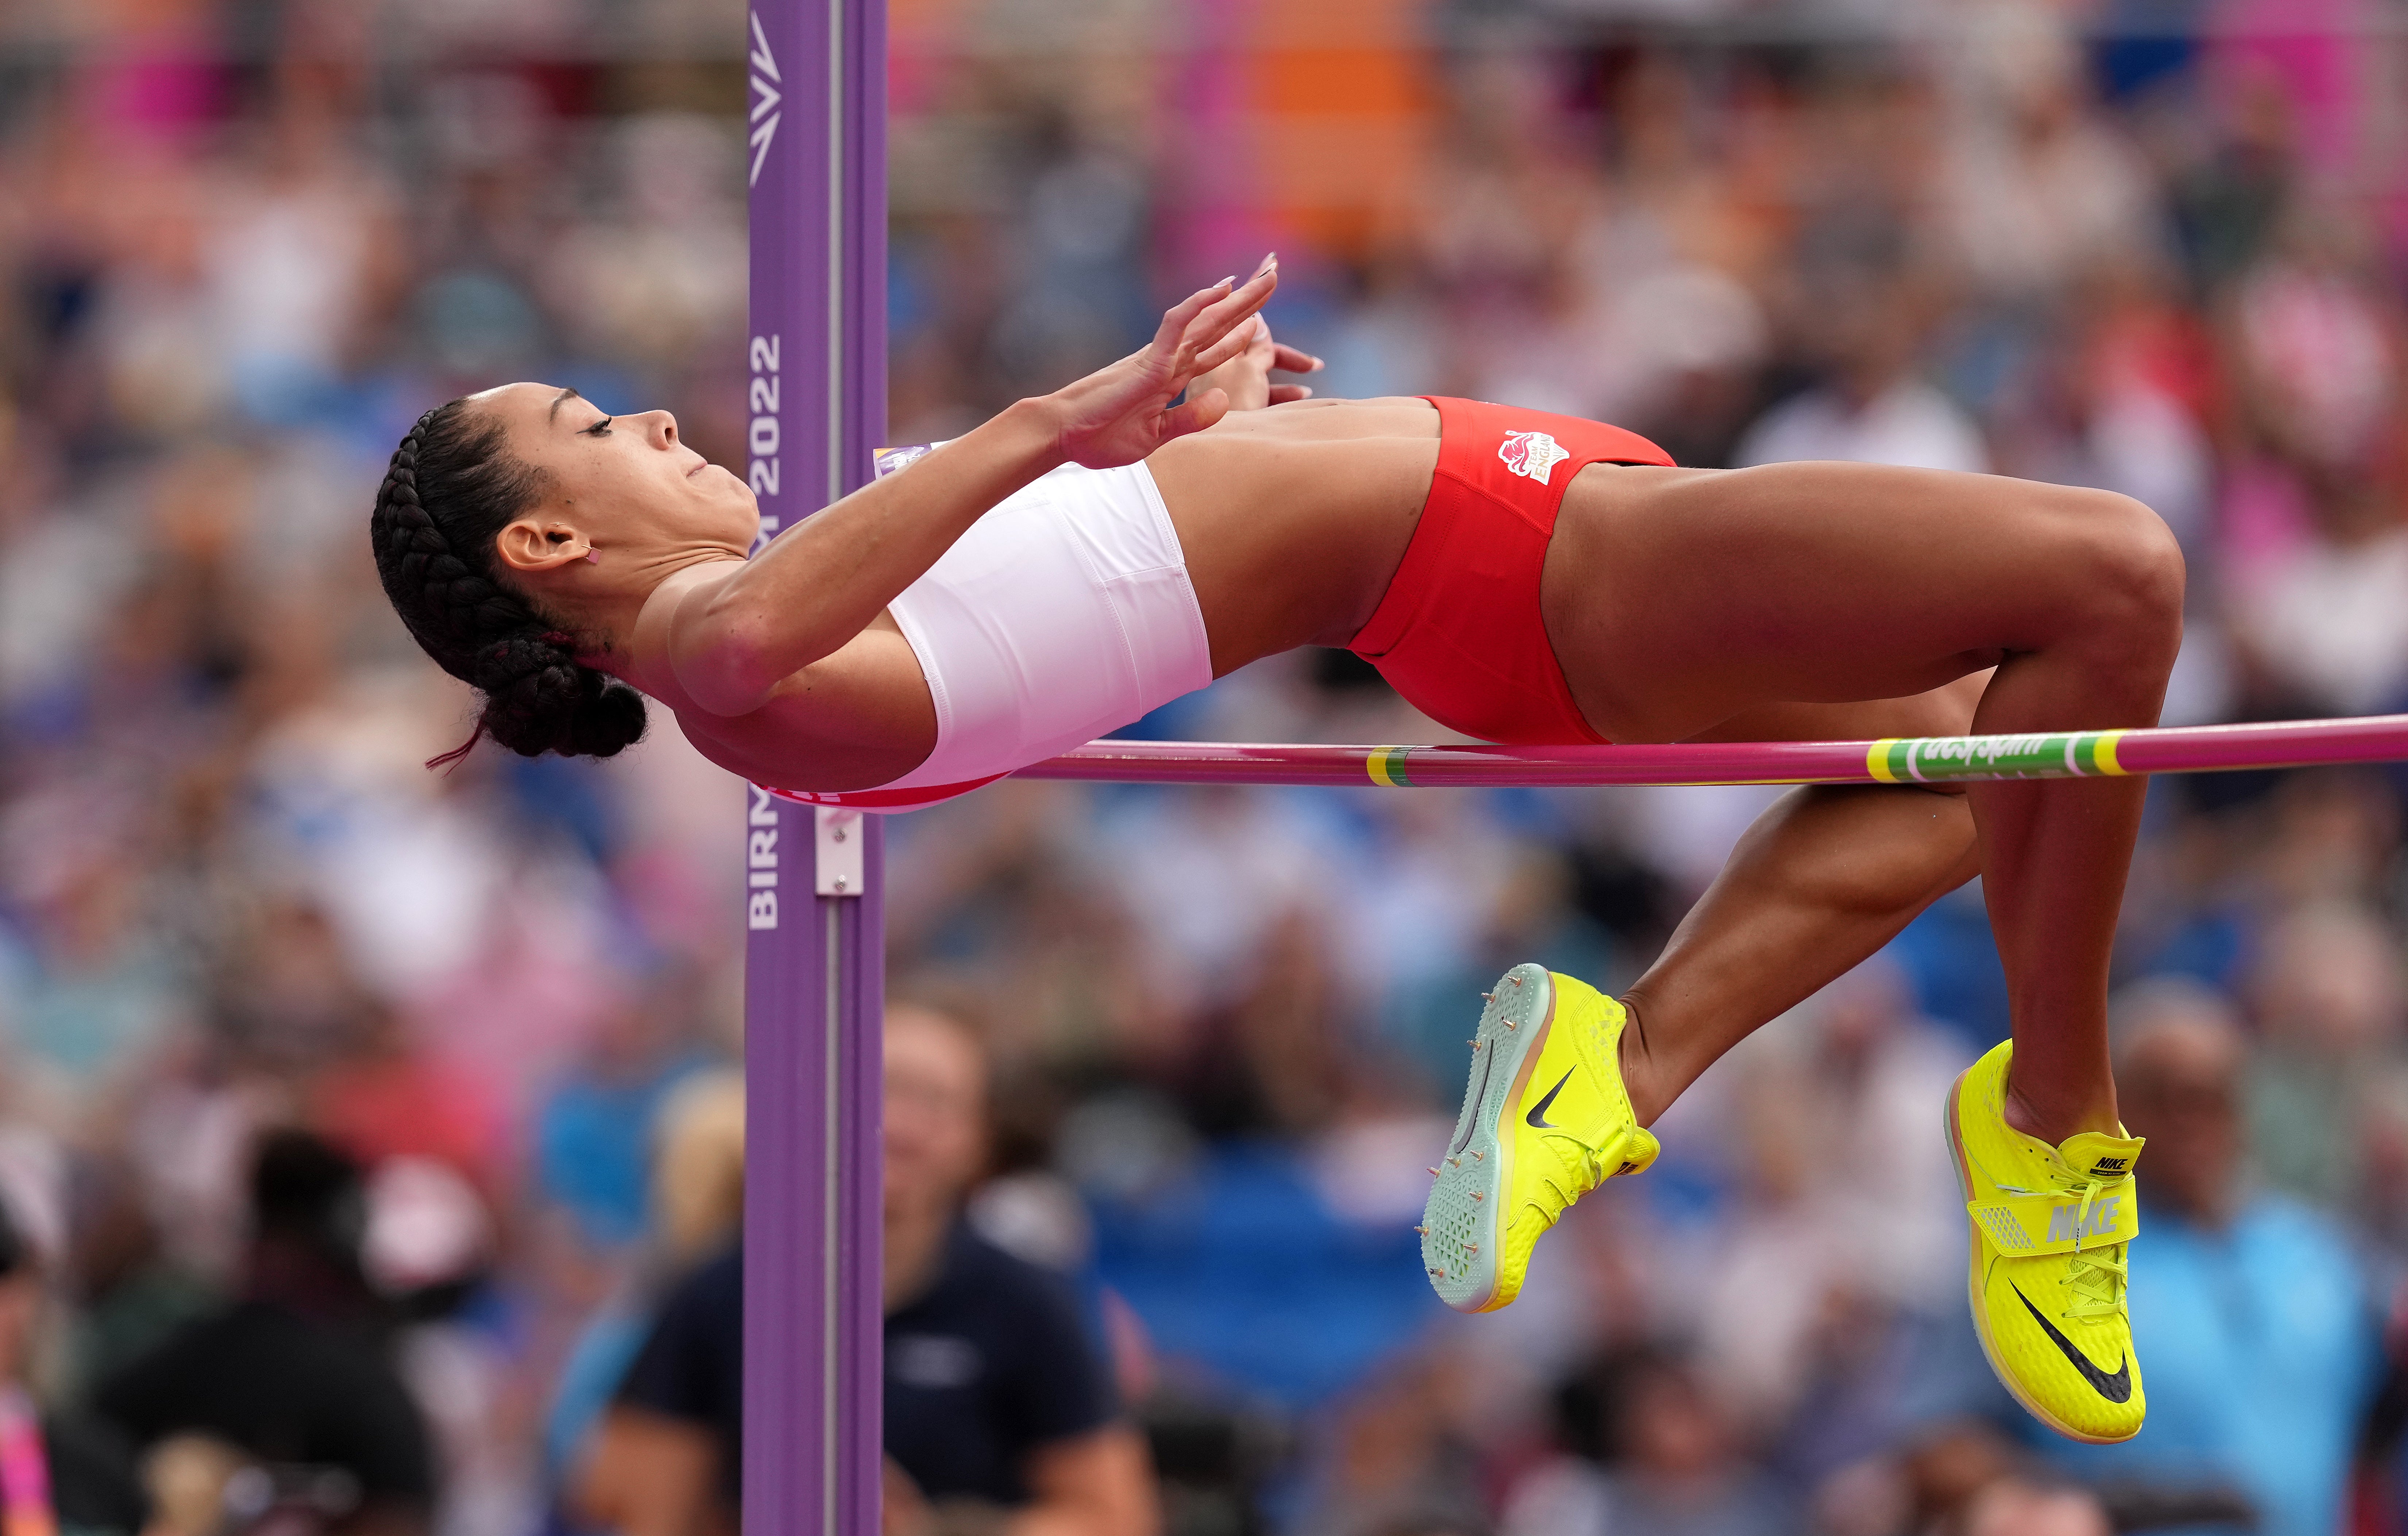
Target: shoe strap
{"x": 2098, "y": 1215}
{"x": 1629, "y": 1152}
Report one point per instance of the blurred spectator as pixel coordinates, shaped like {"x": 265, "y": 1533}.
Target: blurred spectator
{"x": 132, "y": 1294}
{"x": 698, "y": 1204}
{"x": 1672, "y": 1467}
{"x": 1793, "y": 1325}
{"x": 2041, "y": 190}
{"x": 56, "y": 1473}
{"x": 2013, "y": 1506}
{"x": 2331, "y": 1009}
{"x": 596, "y": 1127}
{"x": 996, "y": 1392}
{"x": 1864, "y": 308}
{"x": 2250, "y": 1312}
{"x": 293, "y": 1374}
{"x": 2317, "y": 562}
{"x": 387, "y": 1097}
{"x": 1395, "y": 1456}
{"x": 999, "y": 1411}
{"x": 101, "y": 981}
{"x": 698, "y": 1165}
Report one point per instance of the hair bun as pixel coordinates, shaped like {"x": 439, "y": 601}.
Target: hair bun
{"x": 539, "y": 699}
{"x": 612, "y": 719}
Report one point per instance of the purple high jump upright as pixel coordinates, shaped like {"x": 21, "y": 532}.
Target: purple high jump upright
{"x": 815, "y": 955}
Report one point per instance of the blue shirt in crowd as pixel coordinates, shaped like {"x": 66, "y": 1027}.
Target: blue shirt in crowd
{"x": 593, "y": 1146}
{"x": 2258, "y": 1351}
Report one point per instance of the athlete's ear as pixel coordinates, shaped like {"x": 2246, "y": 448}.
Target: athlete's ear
{"x": 532, "y": 543}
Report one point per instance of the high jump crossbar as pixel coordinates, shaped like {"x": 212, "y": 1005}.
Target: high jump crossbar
{"x": 1909, "y": 759}
{"x": 814, "y": 958}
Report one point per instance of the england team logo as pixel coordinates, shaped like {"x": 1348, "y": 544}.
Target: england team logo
{"x": 1532, "y": 453}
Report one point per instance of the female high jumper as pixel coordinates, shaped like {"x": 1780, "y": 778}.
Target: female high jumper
{"x": 1519, "y": 576}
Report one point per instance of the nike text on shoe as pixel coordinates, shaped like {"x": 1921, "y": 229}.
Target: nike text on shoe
{"x": 2050, "y": 1232}
{"x": 1545, "y": 1119}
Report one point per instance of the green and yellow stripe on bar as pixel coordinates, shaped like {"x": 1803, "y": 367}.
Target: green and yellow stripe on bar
{"x": 1933, "y": 759}
{"x": 1386, "y": 766}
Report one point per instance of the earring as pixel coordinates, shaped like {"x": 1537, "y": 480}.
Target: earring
{"x": 592, "y": 557}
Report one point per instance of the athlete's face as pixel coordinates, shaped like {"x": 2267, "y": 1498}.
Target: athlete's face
{"x": 627, "y": 482}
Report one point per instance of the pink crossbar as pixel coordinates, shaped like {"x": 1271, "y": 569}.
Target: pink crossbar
{"x": 2188, "y": 750}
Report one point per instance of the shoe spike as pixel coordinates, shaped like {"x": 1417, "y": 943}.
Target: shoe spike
{"x": 1433, "y": 1173}
{"x": 1478, "y": 1156}
{"x": 1517, "y": 981}
{"x": 1477, "y": 1195}
{"x": 1421, "y": 1231}
{"x": 1487, "y": 997}
{"x": 1454, "y": 1162}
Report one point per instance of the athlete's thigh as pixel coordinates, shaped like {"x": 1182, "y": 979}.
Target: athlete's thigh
{"x": 1676, "y": 599}
{"x": 1944, "y": 711}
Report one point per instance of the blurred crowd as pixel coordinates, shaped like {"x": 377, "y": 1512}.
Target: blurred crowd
{"x": 403, "y": 1100}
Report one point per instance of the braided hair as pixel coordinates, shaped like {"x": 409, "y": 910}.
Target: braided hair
{"x": 451, "y": 490}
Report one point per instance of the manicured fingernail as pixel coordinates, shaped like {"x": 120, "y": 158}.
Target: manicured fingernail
{"x": 1271, "y": 264}
{"x": 1226, "y": 282}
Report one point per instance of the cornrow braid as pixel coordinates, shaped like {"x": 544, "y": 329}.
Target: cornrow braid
{"x": 451, "y": 487}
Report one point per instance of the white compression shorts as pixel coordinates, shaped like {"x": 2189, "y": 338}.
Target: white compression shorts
{"x": 1064, "y": 614}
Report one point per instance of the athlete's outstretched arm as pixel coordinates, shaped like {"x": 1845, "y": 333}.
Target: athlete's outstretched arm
{"x": 731, "y": 641}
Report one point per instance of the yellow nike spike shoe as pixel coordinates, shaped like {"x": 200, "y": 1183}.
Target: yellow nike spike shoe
{"x": 1545, "y": 1119}
{"x": 2051, "y": 1228}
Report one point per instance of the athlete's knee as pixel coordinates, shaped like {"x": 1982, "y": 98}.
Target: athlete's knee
{"x": 2131, "y": 571}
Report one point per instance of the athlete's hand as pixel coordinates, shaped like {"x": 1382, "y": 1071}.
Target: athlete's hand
{"x": 1118, "y": 415}
{"x": 1279, "y": 357}
{"x": 1246, "y": 379}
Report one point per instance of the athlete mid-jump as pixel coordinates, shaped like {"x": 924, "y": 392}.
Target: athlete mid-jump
{"x": 1520, "y": 577}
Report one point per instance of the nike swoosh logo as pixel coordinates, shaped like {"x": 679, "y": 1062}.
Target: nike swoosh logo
{"x": 2114, "y": 1389}
{"x": 1536, "y": 1118}
{"x": 1471, "y": 1121}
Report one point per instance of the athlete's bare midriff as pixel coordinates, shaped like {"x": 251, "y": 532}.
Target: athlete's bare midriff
{"x": 1292, "y": 519}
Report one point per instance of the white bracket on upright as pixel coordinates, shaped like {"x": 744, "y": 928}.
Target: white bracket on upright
{"x": 837, "y": 843}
